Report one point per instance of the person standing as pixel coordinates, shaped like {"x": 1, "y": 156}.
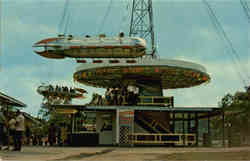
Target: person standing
{"x": 115, "y": 97}
{"x": 12, "y": 128}
{"x": 111, "y": 96}
{"x": 20, "y": 128}
{"x": 64, "y": 133}
{"x": 130, "y": 90}
{"x": 27, "y": 134}
{"x": 52, "y": 134}
{"x": 2, "y": 127}
{"x": 108, "y": 96}
{"x": 136, "y": 95}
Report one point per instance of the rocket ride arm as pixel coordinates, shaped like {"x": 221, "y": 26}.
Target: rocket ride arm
{"x": 81, "y": 90}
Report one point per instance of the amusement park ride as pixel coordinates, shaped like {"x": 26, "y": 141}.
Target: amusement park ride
{"x": 126, "y": 61}
{"x": 126, "y": 58}
{"x": 59, "y": 95}
{"x": 91, "y": 47}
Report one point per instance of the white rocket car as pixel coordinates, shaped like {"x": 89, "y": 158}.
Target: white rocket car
{"x": 91, "y": 47}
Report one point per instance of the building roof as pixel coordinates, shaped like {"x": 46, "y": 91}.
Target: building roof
{"x": 31, "y": 118}
{"x": 146, "y": 108}
{"x": 4, "y": 99}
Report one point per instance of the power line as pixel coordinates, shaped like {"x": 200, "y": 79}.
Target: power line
{"x": 105, "y": 17}
{"x": 246, "y": 9}
{"x": 125, "y": 15}
{"x": 227, "y": 42}
{"x": 67, "y": 22}
{"x": 63, "y": 23}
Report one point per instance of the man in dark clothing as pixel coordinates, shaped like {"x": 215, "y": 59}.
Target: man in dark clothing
{"x": 2, "y": 128}
{"x": 28, "y": 134}
{"x": 115, "y": 96}
{"x": 52, "y": 134}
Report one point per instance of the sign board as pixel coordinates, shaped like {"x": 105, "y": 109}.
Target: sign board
{"x": 126, "y": 117}
{"x": 66, "y": 111}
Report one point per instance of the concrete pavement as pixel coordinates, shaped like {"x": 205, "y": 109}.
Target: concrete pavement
{"x": 35, "y": 153}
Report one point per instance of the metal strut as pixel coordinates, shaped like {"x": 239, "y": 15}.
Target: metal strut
{"x": 142, "y": 23}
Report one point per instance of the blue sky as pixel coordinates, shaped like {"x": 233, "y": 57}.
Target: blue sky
{"x": 182, "y": 27}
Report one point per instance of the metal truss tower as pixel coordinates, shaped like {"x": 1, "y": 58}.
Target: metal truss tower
{"x": 142, "y": 24}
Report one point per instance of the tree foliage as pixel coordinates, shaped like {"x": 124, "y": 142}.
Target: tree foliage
{"x": 237, "y": 112}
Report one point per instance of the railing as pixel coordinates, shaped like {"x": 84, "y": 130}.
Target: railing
{"x": 154, "y": 101}
{"x": 177, "y": 139}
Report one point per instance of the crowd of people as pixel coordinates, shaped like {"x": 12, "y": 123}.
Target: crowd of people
{"x": 61, "y": 89}
{"x": 15, "y": 132}
{"x": 16, "y": 126}
{"x": 122, "y": 96}
{"x": 57, "y": 135}
{"x": 59, "y": 94}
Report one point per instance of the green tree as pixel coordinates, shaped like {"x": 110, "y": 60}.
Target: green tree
{"x": 237, "y": 112}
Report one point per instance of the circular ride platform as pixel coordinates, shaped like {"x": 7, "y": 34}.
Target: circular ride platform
{"x": 164, "y": 73}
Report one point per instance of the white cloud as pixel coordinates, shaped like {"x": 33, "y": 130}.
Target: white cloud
{"x": 224, "y": 79}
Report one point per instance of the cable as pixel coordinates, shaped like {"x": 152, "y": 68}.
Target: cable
{"x": 223, "y": 36}
{"x": 105, "y": 17}
{"x": 246, "y": 9}
{"x": 67, "y": 23}
{"x": 125, "y": 15}
{"x": 62, "y": 22}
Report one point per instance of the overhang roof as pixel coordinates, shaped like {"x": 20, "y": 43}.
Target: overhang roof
{"x": 146, "y": 108}
{"x": 4, "y": 99}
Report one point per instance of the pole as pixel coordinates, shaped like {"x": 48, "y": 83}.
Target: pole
{"x": 189, "y": 123}
{"x": 5, "y": 108}
{"x": 173, "y": 122}
{"x": 197, "y": 128}
{"x": 117, "y": 127}
{"x": 223, "y": 128}
{"x": 8, "y": 130}
{"x": 229, "y": 125}
{"x": 183, "y": 123}
{"x": 208, "y": 131}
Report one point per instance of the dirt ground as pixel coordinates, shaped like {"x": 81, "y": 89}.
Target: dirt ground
{"x": 126, "y": 154}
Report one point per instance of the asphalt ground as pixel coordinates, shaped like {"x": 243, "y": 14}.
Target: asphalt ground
{"x": 36, "y": 153}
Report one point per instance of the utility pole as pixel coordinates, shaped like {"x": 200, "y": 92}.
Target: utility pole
{"x": 142, "y": 24}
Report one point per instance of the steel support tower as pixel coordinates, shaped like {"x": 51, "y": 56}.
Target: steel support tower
{"x": 142, "y": 23}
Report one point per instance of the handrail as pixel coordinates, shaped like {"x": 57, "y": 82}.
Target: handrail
{"x": 168, "y": 103}
{"x": 179, "y": 139}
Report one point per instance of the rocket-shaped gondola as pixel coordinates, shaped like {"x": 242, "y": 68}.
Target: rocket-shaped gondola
{"x": 91, "y": 47}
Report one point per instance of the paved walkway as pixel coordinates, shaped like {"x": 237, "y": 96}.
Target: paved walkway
{"x": 118, "y": 154}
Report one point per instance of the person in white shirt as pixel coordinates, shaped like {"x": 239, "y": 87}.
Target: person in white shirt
{"x": 20, "y": 128}
{"x": 136, "y": 95}
{"x": 130, "y": 89}
{"x": 12, "y": 127}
